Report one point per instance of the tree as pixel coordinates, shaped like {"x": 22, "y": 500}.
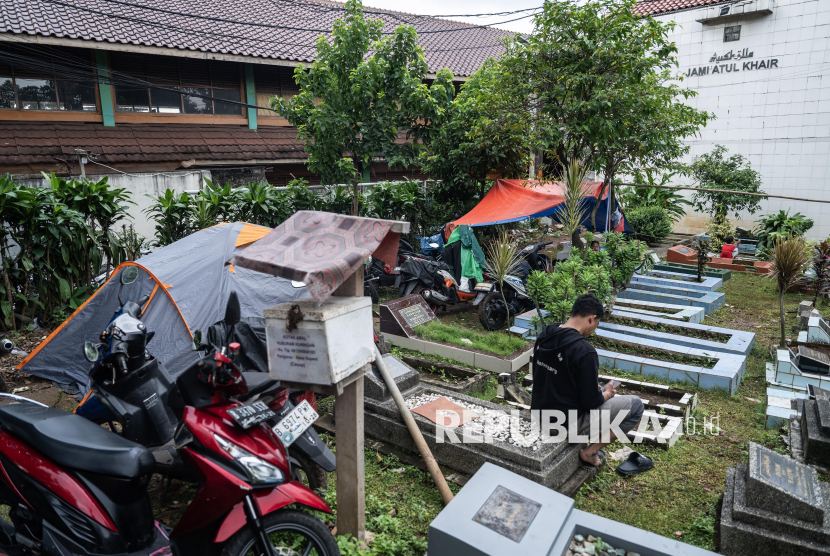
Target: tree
{"x": 714, "y": 171}
{"x": 360, "y": 92}
{"x": 475, "y": 138}
{"x": 595, "y": 79}
{"x": 790, "y": 257}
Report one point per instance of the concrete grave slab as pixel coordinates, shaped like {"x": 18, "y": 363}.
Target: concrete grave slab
{"x": 467, "y": 357}
{"x": 774, "y": 505}
{"x": 555, "y": 465}
{"x": 524, "y": 519}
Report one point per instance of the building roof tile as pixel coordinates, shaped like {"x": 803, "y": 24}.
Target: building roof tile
{"x": 284, "y": 29}
{"x": 659, "y": 7}
{"x": 39, "y": 143}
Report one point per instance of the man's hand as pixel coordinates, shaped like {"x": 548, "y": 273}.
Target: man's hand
{"x": 609, "y": 391}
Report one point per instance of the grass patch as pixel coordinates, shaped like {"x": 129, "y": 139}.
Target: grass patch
{"x": 680, "y": 493}
{"x": 494, "y": 342}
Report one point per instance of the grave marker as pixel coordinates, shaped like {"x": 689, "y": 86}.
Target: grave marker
{"x": 813, "y": 361}
{"x": 774, "y": 505}
{"x": 782, "y": 485}
{"x": 401, "y": 316}
{"x": 508, "y": 513}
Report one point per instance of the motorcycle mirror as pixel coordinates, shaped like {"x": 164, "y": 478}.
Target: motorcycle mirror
{"x": 129, "y": 275}
{"x": 197, "y": 340}
{"x": 233, "y": 312}
{"x": 90, "y": 352}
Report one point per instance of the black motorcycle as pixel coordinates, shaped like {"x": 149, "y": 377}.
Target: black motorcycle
{"x": 136, "y": 396}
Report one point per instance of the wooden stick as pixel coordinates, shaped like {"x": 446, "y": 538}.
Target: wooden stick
{"x": 429, "y": 460}
{"x": 725, "y": 191}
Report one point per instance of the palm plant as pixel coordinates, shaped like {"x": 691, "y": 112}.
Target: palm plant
{"x": 502, "y": 260}
{"x": 790, "y": 257}
{"x": 572, "y": 211}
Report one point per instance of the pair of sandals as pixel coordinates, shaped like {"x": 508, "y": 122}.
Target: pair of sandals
{"x": 636, "y": 463}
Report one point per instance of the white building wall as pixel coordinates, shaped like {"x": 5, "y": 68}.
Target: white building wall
{"x": 779, "y": 117}
{"x": 139, "y": 186}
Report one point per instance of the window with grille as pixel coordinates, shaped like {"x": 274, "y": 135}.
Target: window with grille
{"x": 273, "y": 81}
{"x": 46, "y": 78}
{"x": 168, "y": 85}
{"x": 732, "y": 34}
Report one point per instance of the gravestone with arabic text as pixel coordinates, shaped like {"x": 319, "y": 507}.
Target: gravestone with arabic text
{"x": 773, "y": 505}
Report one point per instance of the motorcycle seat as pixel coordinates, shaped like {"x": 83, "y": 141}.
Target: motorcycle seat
{"x": 74, "y": 442}
{"x": 258, "y": 383}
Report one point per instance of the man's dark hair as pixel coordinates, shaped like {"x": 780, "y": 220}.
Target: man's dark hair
{"x": 587, "y": 305}
{"x": 593, "y": 242}
{"x": 729, "y": 239}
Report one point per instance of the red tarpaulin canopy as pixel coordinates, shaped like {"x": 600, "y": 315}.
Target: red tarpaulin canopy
{"x": 514, "y": 200}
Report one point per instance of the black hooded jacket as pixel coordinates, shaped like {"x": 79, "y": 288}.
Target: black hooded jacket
{"x": 565, "y": 372}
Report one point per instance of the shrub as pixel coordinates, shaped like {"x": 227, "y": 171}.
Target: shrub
{"x": 650, "y": 223}
{"x": 781, "y": 225}
{"x": 53, "y": 243}
{"x": 718, "y": 229}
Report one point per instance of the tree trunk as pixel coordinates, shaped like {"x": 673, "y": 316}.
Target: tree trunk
{"x": 605, "y": 183}
{"x": 781, "y": 309}
{"x": 356, "y": 195}
{"x": 5, "y": 261}
{"x": 576, "y": 240}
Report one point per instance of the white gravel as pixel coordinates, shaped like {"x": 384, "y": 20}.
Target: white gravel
{"x": 493, "y": 424}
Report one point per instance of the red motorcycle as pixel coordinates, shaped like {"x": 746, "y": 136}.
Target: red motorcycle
{"x": 73, "y": 487}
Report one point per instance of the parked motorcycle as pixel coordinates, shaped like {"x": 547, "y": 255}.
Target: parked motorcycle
{"x": 379, "y": 274}
{"x": 72, "y": 487}
{"x": 492, "y": 313}
{"x": 132, "y": 391}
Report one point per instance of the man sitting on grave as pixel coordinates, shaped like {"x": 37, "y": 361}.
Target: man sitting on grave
{"x": 728, "y": 250}
{"x": 566, "y": 378}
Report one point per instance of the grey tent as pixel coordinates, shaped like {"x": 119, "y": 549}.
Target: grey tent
{"x": 188, "y": 283}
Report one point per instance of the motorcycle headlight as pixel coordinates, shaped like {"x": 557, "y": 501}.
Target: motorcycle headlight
{"x": 260, "y": 471}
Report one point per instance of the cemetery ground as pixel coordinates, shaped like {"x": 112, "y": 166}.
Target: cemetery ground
{"x": 678, "y": 496}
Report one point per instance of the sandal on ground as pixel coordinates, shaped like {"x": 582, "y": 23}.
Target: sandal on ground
{"x": 636, "y": 463}
{"x": 589, "y": 466}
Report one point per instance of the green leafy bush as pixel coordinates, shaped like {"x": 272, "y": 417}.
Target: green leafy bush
{"x": 650, "y": 223}
{"x": 601, "y": 273}
{"x": 781, "y": 225}
{"x": 53, "y": 243}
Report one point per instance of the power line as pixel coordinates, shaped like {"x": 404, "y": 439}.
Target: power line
{"x": 195, "y": 32}
{"x": 730, "y": 192}
{"x": 258, "y": 24}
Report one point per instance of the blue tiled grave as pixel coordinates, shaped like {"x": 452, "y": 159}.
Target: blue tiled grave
{"x": 726, "y": 373}
{"x": 709, "y": 301}
{"x": 787, "y": 382}
{"x": 685, "y": 313}
{"x": 739, "y": 341}
{"x": 677, "y": 280}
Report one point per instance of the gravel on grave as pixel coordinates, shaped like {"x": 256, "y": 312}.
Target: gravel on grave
{"x": 592, "y": 546}
{"x": 493, "y": 423}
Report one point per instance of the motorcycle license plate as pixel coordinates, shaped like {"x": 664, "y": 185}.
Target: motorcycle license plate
{"x": 484, "y": 287}
{"x": 248, "y": 415}
{"x": 295, "y": 423}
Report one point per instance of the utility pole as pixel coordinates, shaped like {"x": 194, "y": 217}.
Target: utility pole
{"x": 83, "y": 157}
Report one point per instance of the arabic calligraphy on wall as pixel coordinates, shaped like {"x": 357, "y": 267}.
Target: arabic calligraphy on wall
{"x": 732, "y": 67}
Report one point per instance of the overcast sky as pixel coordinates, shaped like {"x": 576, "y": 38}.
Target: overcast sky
{"x": 443, "y": 7}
